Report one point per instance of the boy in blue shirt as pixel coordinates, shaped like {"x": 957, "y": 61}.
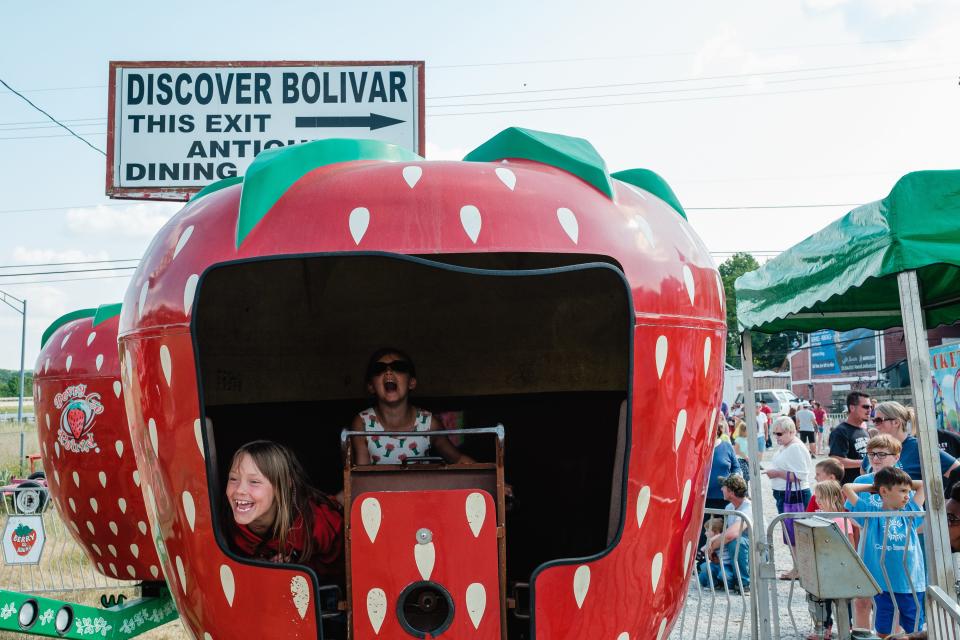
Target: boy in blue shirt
{"x": 886, "y": 556}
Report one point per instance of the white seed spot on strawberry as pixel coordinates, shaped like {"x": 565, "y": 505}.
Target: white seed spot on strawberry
{"x": 103, "y": 479}
{"x": 66, "y": 339}
{"x": 99, "y": 361}
{"x": 686, "y": 558}
{"x": 113, "y": 528}
{"x": 142, "y": 300}
{"x": 569, "y": 223}
{"x": 94, "y": 505}
{"x": 142, "y": 526}
{"x": 227, "y": 582}
{"x": 113, "y": 569}
{"x": 685, "y": 498}
{"x": 661, "y": 355}
{"x": 75, "y": 527}
{"x": 680, "y": 428}
{"x": 122, "y": 503}
{"x": 117, "y": 388}
{"x": 69, "y": 362}
{"x": 655, "y": 568}
{"x": 182, "y": 574}
{"x": 152, "y": 429}
{"x": 188, "y": 290}
{"x": 359, "y": 221}
{"x": 707, "y": 345}
{"x": 643, "y": 502}
{"x": 76, "y": 479}
{"x": 91, "y": 528}
{"x": 198, "y": 436}
{"x": 112, "y": 549}
{"x": 73, "y": 505}
{"x": 182, "y": 242}
{"x": 165, "y": 363}
{"x": 136, "y": 477}
{"x": 91, "y": 338}
{"x": 471, "y": 221}
{"x": 96, "y": 548}
{"x": 100, "y": 567}
{"x": 507, "y": 177}
{"x": 411, "y": 175}
{"x": 118, "y": 445}
{"x": 189, "y": 509}
{"x": 131, "y": 571}
{"x": 154, "y": 571}
{"x": 135, "y": 550}
{"x": 688, "y": 282}
{"x": 581, "y": 584}
{"x": 663, "y": 627}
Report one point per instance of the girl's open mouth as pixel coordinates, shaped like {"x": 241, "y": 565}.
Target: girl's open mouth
{"x": 390, "y": 386}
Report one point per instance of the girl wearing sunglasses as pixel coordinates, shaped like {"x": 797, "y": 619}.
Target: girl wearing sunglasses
{"x": 391, "y": 376}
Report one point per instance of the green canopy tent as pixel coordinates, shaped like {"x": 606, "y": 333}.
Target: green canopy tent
{"x": 890, "y": 263}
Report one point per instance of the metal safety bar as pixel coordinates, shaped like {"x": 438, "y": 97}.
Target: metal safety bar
{"x": 63, "y": 566}
{"x": 721, "y": 594}
{"x": 943, "y": 614}
{"x": 768, "y": 571}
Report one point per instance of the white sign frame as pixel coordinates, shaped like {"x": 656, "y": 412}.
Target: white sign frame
{"x": 164, "y": 142}
{"x": 10, "y": 556}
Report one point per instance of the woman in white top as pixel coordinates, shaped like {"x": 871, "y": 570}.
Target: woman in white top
{"x": 792, "y": 458}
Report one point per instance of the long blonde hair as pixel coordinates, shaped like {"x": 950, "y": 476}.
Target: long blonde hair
{"x": 292, "y": 492}
{"x": 829, "y": 494}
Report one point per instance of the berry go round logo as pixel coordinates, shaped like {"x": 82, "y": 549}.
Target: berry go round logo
{"x": 78, "y": 410}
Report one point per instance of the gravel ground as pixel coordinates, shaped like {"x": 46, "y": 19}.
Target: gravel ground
{"x": 724, "y": 616}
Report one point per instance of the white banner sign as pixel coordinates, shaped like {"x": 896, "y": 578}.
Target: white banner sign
{"x": 23, "y": 540}
{"x": 177, "y": 127}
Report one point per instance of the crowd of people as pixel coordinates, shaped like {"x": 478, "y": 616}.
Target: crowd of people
{"x": 869, "y": 463}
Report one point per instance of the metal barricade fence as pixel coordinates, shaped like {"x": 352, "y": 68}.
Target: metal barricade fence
{"x": 790, "y": 610}
{"x": 943, "y": 615}
{"x": 63, "y": 566}
{"x": 725, "y": 609}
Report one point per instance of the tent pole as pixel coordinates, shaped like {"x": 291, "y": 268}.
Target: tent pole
{"x": 937, "y": 541}
{"x": 761, "y": 614}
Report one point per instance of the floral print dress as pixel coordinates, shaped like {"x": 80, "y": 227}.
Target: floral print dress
{"x": 396, "y": 450}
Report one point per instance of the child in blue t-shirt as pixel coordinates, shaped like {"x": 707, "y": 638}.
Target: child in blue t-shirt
{"x": 887, "y": 557}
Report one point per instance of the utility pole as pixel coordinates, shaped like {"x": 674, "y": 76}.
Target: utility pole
{"x": 6, "y": 298}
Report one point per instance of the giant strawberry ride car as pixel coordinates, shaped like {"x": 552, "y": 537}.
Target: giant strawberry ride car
{"x": 85, "y": 443}
{"x": 535, "y": 291}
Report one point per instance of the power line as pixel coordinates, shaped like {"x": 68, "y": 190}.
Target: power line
{"x": 72, "y": 132}
{"x": 75, "y": 206}
{"x": 26, "y": 282}
{"x": 691, "y": 99}
{"x": 696, "y": 79}
{"x": 661, "y": 54}
{"x": 49, "y": 273}
{"x": 773, "y": 206}
{"x": 58, "y": 264}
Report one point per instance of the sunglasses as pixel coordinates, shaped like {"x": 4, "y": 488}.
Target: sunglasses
{"x": 879, "y": 420}
{"x": 952, "y": 519}
{"x": 397, "y": 366}
{"x": 866, "y": 406}
{"x": 778, "y": 433}
{"x": 879, "y": 455}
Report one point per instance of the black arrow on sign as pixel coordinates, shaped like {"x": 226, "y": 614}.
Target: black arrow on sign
{"x": 373, "y": 121}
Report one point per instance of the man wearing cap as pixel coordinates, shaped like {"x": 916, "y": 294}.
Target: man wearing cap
{"x": 734, "y": 568}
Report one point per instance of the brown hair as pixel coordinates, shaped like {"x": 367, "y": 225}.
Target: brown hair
{"x": 829, "y": 494}
{"x": 885, "y": 441}
{"x": 891, "y": 477}
{"x": 831, "y": 467}
{"x": 714, "y": 525}
{"x": 292, "y": 492}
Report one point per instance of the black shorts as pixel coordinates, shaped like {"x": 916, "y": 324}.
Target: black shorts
{"x": 807, "y": 436}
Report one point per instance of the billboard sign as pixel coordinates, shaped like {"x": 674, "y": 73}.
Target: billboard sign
{"x": 945, "y": 366}
{"x": 834, "y": 353}
{"x": 175, "y": 127}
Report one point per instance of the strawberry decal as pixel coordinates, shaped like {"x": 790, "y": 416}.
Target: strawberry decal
{"x": 76, "y": 419}
{"x": 23, "y": 538}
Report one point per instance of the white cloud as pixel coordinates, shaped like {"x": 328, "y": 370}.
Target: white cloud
{"x": 436, "y": 152}
{"x": 131, "y": 221}
{"x": 24, "y": 255}
{"x": 725, "y": 53}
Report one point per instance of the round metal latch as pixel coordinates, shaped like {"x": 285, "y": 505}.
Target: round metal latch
{"x": 424, "y": 536}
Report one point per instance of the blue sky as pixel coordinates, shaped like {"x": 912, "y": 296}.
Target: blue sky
{"x": 735, "y": 104}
